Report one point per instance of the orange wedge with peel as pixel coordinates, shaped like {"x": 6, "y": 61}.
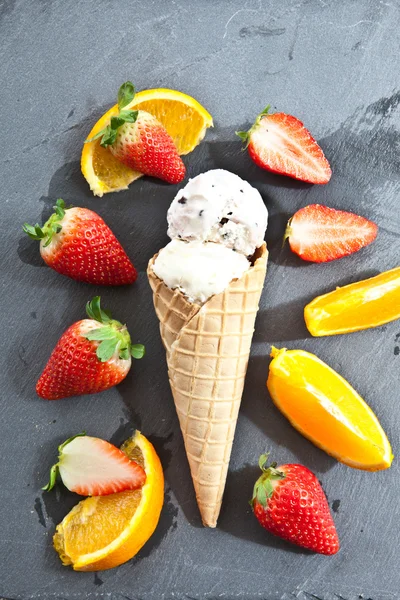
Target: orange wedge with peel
{"x": 185, "y": 119}
{"x": 361, "y": 305}
{"x": 324, "y": 408}
{"x": 103, "y": 532}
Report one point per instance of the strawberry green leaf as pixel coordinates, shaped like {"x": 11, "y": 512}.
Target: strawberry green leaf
{"x": 265, "y": 111}
{"x": 52, "y": 480}
{"x": 114, "y": 336}
{"x": 254, "y": 496}
{"x": 94, "y": 311}
{"x": 261, "y": 495}
{"x": 96, "y": 137}
{"x": 50, "y": 228}
{"x": 106, "y": 349}
{"x": 137, "y": 351}
{"x": 246, "y": 135}
{"x": 116, "y": 122}
{"x": 48, "y": 241}
{"x": 129, "y": 116}
{"x": 34, "y": 231}
{"x": 102, "y": 333}
{"x": 267, "y": 485}
{"x": 60, "y": 208}
{"x": 60, "y": 203}
{"x": 288, "y": 231}
{"x": 262, "y": 460}
{"x": 125, "y": 354}
{"x": 264, "y": 488}
{"x": 126, "y": 94}
{"x": 109, "y": 134}
{"x": 242, "y": 134}
{"x": 60, "y": 212}
{"x": 109, "y": 137}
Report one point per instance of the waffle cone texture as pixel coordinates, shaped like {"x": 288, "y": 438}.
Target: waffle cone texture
{"x": 207, "y": 349}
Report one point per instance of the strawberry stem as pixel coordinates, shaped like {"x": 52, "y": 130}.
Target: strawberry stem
{"x": 51, "y": 227}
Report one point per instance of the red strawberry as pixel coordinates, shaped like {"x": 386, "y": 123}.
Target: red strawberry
{"x": 139, "y": 140}
{"x": 76, "y": 242}
{"x": 320, "y": 234}
{"x": 92, "y": 467}
{"x": 91, "y": 356}
{"x": 280, "y": 143}
{"x": 289, "y": 502}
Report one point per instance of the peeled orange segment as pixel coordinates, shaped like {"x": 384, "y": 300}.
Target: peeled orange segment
{"x": 368, "y": 303}
{"x": 185, "y": 119}
{"x": 324, "y": 408}
{"x": 105, "y": 531}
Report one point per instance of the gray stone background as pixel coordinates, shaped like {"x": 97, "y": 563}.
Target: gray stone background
{"x": 333, "y": 64}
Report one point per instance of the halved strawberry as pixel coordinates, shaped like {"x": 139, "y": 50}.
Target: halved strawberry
{"x": 90, "y": 466}
{"x": 321, "y": 234}
{"x": 280, "y": 143}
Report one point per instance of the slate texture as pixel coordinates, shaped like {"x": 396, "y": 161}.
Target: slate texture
{"x": 332, "y": 63}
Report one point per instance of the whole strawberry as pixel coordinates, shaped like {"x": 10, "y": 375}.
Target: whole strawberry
{"x": 280, "y": 143}
{"x": 289, "y": 502}
{"x": 139, "y": 141}
{"x": 77, "y": 243}
{"x": 91, "y": 356}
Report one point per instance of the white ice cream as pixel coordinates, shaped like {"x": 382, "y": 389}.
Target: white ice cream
{"x": 199, "y": 270}
{"x": 218, "y": 206}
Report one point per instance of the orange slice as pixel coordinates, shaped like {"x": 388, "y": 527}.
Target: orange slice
{"x": 324, "y": 408}
{"x": 102, "y": 532}
{"x": 185, "y": 119}
{"x": 368, "y": 303}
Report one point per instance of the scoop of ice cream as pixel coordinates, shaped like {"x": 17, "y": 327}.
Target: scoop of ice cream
{"x": 219, "y": 206}
{"x": 199, "y": 270}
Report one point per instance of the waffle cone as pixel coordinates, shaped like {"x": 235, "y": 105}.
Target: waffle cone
{"x": 207, "y": 350}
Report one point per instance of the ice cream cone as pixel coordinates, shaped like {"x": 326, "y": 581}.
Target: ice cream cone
{"x": 208, "y": 350}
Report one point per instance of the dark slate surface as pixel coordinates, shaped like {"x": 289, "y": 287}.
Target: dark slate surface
{"x": 332, "y": 63}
